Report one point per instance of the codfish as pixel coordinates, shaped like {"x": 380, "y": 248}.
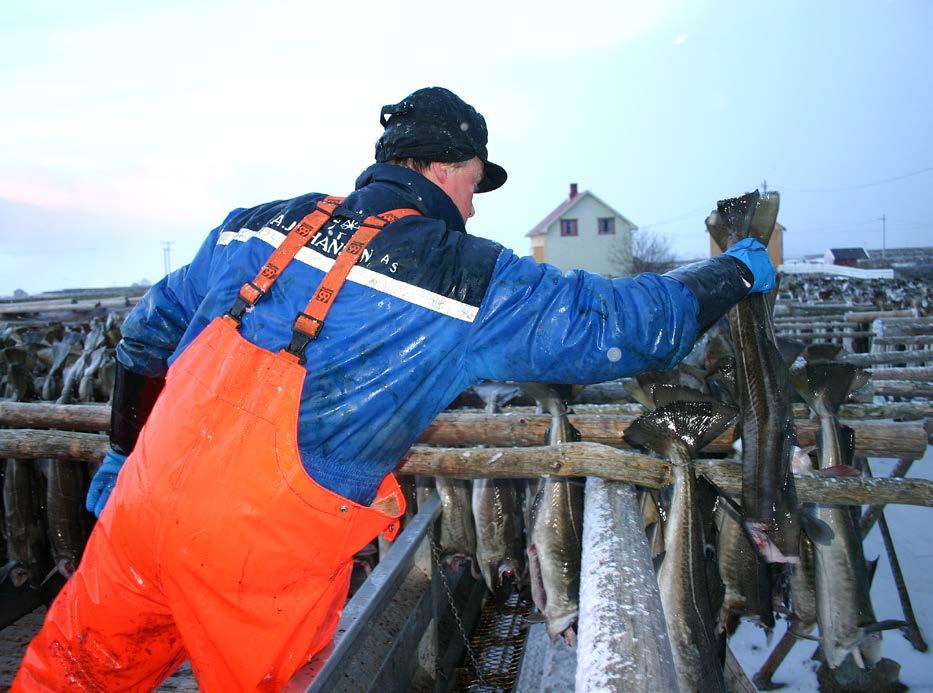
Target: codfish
{"x": 843, "y": 602}
{"x": 678, "y": 432}
{"x": 458, "y": 535}
{"x": 769, "y": 499}
{"x": 555, "y": 541}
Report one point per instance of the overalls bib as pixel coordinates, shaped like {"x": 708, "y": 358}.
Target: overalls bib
{"x": 216, "y": 545}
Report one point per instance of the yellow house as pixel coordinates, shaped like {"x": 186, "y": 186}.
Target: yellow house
{"x": 583, "y": 232}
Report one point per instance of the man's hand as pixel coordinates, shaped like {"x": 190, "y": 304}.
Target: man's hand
{"x": 103, "y": 482}
{"x": 754, "y": 255}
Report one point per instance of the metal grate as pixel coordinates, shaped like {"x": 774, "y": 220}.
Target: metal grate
{"x": 499, "y": 642}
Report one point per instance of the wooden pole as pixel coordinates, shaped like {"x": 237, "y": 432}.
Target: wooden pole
{"x": 919, "y": 374}
{"x": 888, "y": 357}
{"x": 567, "y": 460}
{"x": 808, "y": 336}
{"x": 877, "y": 439}
{"x": 871, "y": 315}
{"x": 903, "y": 388}
{"x": 623, "y": 641}
{"x": 913, "y": 340}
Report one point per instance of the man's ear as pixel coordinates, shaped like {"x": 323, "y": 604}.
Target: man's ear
{"x": 439, "y": 172}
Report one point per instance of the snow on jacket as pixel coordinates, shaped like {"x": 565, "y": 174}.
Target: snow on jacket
{"x": 428, "y": 311}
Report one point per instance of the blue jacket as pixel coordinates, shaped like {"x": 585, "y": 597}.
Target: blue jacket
{"x": 429, "y": 311}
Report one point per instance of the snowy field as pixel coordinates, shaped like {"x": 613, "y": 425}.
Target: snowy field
{"x": 912, "y": 532}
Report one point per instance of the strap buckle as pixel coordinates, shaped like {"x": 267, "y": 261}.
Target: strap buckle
{"x": 304, "y": 331}
{"x": 243, "y": 303}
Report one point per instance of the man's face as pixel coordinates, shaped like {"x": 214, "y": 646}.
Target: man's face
{"x": 460, "y": 185}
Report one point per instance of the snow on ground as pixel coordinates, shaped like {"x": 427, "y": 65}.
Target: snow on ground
{"x": 912, "y": 532}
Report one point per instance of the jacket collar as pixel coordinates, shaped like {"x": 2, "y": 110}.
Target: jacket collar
{"x": 396, "y": 186}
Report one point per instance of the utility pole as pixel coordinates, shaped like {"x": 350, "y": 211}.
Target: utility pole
{"x": 884, "y": 236}
{"x": 764, "y": 187}
{"x": 167, "y": 255}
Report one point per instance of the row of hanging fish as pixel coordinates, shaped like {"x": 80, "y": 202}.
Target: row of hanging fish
{"x": 882, "y": 294}
{"x": 45, "y": 526}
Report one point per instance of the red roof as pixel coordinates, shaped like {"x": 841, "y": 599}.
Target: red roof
{"x": 542, "y": 225}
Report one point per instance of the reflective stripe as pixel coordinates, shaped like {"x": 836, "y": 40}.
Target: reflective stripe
{"x": 360, "y": 275}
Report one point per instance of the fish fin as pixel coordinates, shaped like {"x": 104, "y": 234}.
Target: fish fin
{"x": 887, "y": 624}
{"x": 822, "y": 351}
{"x": 826, "y": 385}
{"x": 765, "y": 217}
{"x": 665, "y": 393}
{"x": 636, "y": 392}
{"x": 816, "y": 530}
{"x": 790, "y": 349}
{"x": 680, "y": 428}
{"x": 732, "y": 219}
{"x": 534, "y": 618}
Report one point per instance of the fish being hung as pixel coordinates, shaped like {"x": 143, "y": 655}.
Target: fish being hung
{"x": 843, "y": 602}
{"x": 769, "y": 499}
{"x": 64, "y": 513}
{"x": 678, "y": 432}
{"x": 497, "y": 513}
{"x": 458, "y": 535}
{"x": 555, "y": 533}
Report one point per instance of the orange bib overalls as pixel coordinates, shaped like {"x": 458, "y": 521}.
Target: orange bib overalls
{"x": 216, "y": 544}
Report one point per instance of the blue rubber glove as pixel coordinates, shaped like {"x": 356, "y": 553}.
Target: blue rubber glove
{"x": 754, "y": 255}
{"x": 103, "y": 482}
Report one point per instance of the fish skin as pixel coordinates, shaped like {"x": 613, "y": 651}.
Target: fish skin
{"x": 555, "y": 549}
{"x": 678, "y": 432}
{"x": 555, "y": 529}
{"x": 499, "y": 548}
{"x": 744, "y": 574}
{"x": 458, "y": 534}
{"x": 843, "y": 594}
{"x": 64, "y": 501}
{"x": 23, "y": 538}
{"x": 769, "y": 498}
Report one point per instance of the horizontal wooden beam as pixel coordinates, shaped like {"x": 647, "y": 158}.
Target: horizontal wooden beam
{"x": 591, "y": 459}
{"x": 871, "y": 315}
{"x": 29, "y": 307}
{"x": 568, "y": 460}
{"x": 882, "y": 357}
{"x": 918, "y": 373}
{"x": 805, "y": 336}
{"x": 872, "y": 438}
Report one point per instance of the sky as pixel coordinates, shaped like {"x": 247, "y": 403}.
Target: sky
{"x": 128, "y": 125}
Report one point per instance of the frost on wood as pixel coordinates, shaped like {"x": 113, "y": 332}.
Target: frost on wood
{"x": 623, "y": 642}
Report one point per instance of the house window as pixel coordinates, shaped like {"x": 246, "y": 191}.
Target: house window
{"x": 568, "y": 227}
{"x": 607, "y": 225}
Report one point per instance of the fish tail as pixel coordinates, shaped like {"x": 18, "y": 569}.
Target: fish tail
{"x": 826, "y": 385}
{"x": 765, "y": 217}
{"x": 681, "y": 428}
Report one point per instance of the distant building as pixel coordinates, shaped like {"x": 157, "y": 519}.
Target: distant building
{"x": 583, "y": 232}
{"x": 847, "y": 257}
{"x": 775, "y": 246}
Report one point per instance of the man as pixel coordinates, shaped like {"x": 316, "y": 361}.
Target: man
{"x": 269, "y": 440}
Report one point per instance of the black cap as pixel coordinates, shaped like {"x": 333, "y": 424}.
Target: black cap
{"x": 435, "y": 124}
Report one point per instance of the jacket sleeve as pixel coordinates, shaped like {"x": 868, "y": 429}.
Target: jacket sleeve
{"x": 156, "y": 325}
{"x": 151, "y": 333}
{"x": 539, "y": 324}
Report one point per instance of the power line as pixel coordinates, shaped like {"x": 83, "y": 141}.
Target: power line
{"x": 859, "y": 185}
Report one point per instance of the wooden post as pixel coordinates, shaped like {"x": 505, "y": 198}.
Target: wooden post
{"x": 623, "y": 641}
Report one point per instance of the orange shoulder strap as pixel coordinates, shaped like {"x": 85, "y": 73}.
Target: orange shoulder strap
{"x": 308, "y": 323}
{"x": 296, "y": 239}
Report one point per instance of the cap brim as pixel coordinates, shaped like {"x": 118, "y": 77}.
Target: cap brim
{"x": 493, "y": 177}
